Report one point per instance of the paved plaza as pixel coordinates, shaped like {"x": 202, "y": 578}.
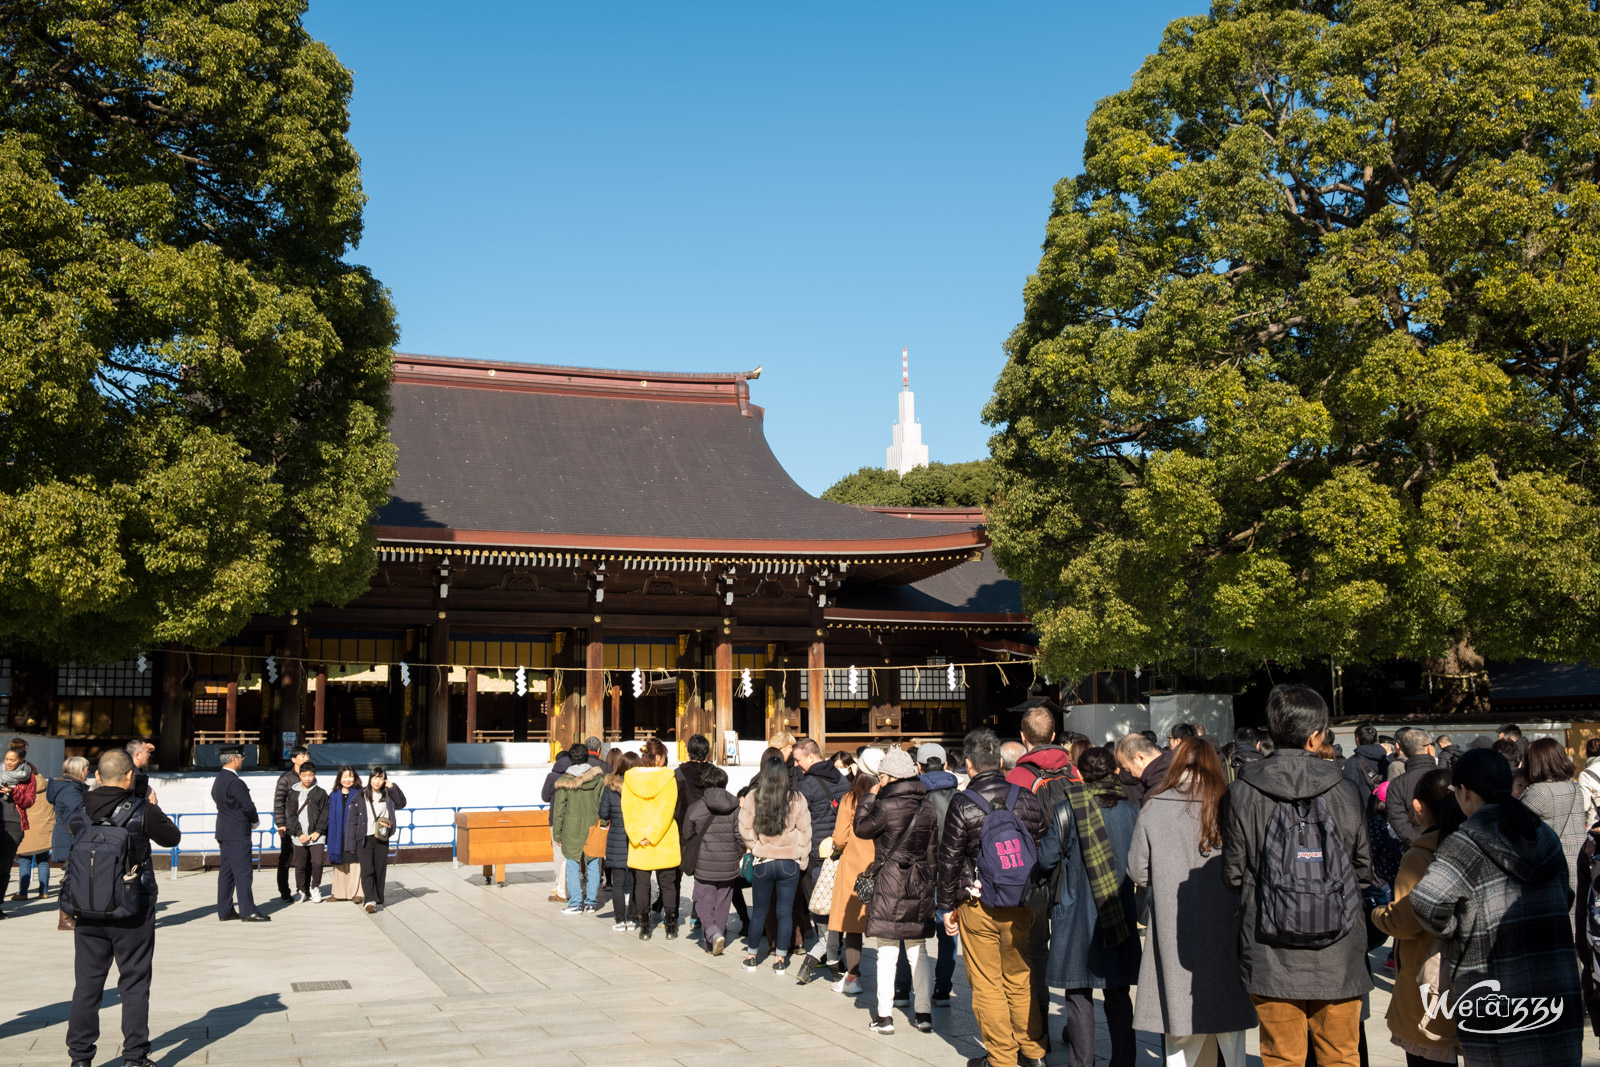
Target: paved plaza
{"x": 454, "y": 970}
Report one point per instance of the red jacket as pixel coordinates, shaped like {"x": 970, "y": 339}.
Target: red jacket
{"x": 1043, "y": 758}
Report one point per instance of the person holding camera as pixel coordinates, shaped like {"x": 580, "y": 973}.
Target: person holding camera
{"x": 382, "y": 799}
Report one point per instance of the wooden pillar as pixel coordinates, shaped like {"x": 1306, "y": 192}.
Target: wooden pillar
{"x": 594, "y": 685}
{"x": 230, "y": 709}
{"x": 472, "y": 703}
{"x": 724, "y": 709}
{"x": 290, "y": 696}
{"x": 169, "y": 741}
{"x": 615, "y": 693}
{"x": 883, "y": 713}
{"x": 438, "y": 710}
{"x": 817, "y": 704}
{"x": 319, "y": 705}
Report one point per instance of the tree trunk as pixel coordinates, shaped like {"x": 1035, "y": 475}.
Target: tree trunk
{"x": 1458, "y": 682}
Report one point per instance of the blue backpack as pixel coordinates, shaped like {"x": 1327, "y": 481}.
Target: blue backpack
{"x": 1006, "y": 854}
{"x": 108, "y": 869}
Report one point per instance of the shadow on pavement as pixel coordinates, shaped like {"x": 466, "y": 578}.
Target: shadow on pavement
{"x": 49, "y": 1015}
{"x": 186, "y": 1040}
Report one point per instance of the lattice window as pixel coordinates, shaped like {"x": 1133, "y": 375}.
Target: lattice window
{"x": 932, "y": 683}
{"x": 122, "y": 679}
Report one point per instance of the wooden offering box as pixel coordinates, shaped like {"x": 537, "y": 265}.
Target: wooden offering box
{"x": 492, "y": 839}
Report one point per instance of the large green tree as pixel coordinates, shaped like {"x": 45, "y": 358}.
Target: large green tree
{"x": 937, "y": 485}
{"x": 1307, "y": 367}
{"x": 193, "y": 381}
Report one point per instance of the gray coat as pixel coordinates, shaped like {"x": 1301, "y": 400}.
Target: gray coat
{"x": 1502, "y": 908}
{"x": 1189, "y": 980}
{"x": 1563, "y": 808}
{"x": 1339, "y": 971}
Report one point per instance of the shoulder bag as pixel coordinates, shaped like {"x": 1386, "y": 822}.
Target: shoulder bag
{"x": 821, "y": 901}
{"x": 382, "y": 825}
{"x": 867, "y": 880}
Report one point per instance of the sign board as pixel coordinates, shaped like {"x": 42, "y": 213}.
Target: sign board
{"x": 290, "y": 739}
{"x": 730, "y": 747}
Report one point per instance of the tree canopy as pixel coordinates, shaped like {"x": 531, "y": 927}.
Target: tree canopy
{"x": 193, "y": 381}
{"x": 938, "y": 485}
{"x": 1307, "y": 366}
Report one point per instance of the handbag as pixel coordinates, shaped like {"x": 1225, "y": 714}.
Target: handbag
{"x": 867, "y": 880}
{"x": 382, "y": 825}
{"x": 821, "y": 902}
{"x": 747, "y": 868}
{"x": 594, "y": 846}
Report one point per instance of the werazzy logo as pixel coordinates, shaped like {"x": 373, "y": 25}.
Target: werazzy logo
{"x": 1483, "y": 1009}
{"x": 1009, "y": 853}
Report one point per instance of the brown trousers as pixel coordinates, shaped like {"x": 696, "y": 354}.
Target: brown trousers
{"x": 1332, "y": 1027}
{"x": 994, "y": 942}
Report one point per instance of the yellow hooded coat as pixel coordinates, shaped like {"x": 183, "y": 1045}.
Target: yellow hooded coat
{"x": 649, "y": 804}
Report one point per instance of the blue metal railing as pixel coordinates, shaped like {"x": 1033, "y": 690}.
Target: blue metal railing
{"x": 434, "y": 830}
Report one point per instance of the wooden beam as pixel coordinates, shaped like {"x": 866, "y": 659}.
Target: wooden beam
{"x": 817, "y": 685}
{"x": 438, "y": 710}
{"x": 472, "y": 702}
{"x": 230, "y": 707}
{"x": 319, "y": 706}
{"x": 724, "y": 719}
{"x": 291, "y": 696}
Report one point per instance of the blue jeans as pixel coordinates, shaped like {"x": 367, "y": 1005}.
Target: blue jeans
{"x": 26, "y": 865}
{"x": 774, "y": 885}
{"x": 575, "y": 894}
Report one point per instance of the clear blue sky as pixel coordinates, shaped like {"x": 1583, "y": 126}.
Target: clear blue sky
{"x": 698, "y": 186}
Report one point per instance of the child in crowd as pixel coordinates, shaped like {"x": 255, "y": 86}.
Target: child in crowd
{"x": 307, "y": 815}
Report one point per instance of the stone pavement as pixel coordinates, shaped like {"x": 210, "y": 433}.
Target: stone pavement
{"x": 457, "y": 971}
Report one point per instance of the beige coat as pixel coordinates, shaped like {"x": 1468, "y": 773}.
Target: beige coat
{"x": 795, "y": 841}
{"x": 1411, "y": 945}
{"x": 41, "y": 822}
{"x": 849, "y": 915}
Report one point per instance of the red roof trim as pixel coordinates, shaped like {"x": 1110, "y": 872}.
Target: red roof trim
{"x": 720, "y": 388}
{"x": 944, "y": 542}
{"x": 973, "y": 516}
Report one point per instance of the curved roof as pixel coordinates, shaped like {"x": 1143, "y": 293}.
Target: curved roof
{"x": 976, "y": 592}
{"x": 497, "y": 453}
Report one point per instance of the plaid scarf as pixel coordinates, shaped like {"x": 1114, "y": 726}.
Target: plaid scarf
{"x": 1094, "y": 845}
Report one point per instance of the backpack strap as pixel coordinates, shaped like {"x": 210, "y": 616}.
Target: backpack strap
{"x": 1011, "y": 797}
{"x": 977, "y": 798}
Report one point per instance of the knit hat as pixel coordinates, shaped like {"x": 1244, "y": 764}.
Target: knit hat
{"x": 932, "y": 750}
{"x": 898, "y": 764}
{"x": 869, "y": 759}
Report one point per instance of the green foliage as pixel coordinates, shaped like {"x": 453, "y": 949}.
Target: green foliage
{"x": 193, "y": 383}
{"x": 1307, "y": 366}
{"x": 938, "y": 485}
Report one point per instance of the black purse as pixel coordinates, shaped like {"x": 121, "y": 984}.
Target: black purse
{"x": 867, "y": 880}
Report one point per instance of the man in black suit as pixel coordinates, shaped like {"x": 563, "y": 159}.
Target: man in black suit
{"x": 236, "y": 817}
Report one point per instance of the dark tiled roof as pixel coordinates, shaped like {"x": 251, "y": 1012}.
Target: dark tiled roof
{"x": 598, "y": 459}
{"x": 1528, "y": 679}
{"x": 975, "y": 588}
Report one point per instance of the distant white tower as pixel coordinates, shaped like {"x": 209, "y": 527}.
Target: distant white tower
{"x": 907, "y": 451}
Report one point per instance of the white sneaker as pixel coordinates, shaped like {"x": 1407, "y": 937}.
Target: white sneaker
{"x": 572, "y": 909}
{"x": 297, "y": 898}
{"x": 316, "y": 894}
{"x": 848, "y": 985}
{"x": 622, "y": 926}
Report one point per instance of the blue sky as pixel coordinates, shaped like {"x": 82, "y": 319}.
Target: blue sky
{"x": 702, "y": 186}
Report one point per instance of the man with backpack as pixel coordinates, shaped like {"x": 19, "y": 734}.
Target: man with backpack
{"x": 987, "y": 856}
{"x": 110, "y": 890}
{"x": 1295, "y": 847}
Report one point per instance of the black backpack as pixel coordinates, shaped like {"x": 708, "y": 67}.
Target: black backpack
{"x": 108, "y": 867}
{"x": 1306, "y": 891}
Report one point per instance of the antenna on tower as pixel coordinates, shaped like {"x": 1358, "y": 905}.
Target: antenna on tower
{"x": 905, "y": 369}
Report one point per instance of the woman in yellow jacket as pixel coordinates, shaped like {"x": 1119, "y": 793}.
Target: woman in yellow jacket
{"x": 649, "y": 807}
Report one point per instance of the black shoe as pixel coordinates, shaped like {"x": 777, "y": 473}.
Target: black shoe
{"x": 644, "y": 928}
{"x": 232, "y": 915}
{"x": 780, "y": 966}
{"x": 941, "y": 1000}
{"x": 256, "y": 918}
{"x": 143, "y": 1061}
{"x": 802, "y": 974}
{"x": 924, "y": 1022}
{"x": 287, "y": 898}
{"x": 978, "y": 1061}
{"x": 672, "y": 927}
{"x": 82, "y": 1063}
{"x": 1023, "y": 1061}
{"x": 718, "y": 945}
{"x": 884, "y": 1025}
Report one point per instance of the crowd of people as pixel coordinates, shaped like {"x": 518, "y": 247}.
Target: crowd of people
{"x": 1264, "y": 872}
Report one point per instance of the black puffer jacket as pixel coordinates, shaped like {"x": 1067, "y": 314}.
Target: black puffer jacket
{"x": 280, "y": 796}
{"x": 902, "y": 899}
{"x": 691, "y": 785}
{"x": 823, "y": 787}
{"x": 616, "y": 833}
{"x": 963, "y": 831}
{"x": 316, "y": 814}
{"x": 714, "y": 823}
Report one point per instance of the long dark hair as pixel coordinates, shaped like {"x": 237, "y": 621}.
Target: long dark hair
{"x": 1487, "y": 774}
{"x": 772, "y": 797}
{"x": 1196, "y": 772}
{"x": 860, "y": 786}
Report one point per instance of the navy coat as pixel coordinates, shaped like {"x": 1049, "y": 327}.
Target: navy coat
{"x": 616, "y": 832}
{"x": 236, "y": 812}
{"x": 67, "y": 796}
{"x": 1078, "y": 958}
